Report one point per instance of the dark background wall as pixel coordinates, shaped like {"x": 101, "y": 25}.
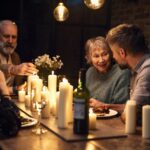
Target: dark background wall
{"x": 39, "y": 33}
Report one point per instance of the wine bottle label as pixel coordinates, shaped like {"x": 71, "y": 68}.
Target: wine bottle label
{"x": 79, "y": 108}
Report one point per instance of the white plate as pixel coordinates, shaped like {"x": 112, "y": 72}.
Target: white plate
{"x": 110, "y": 114}
{"x": 28, "y": 122}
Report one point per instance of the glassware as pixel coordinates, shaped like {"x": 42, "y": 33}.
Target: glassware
{"x": 94, "y": 4}
{"x": 81, "y": 105}
{"x": 39, "y": 106}
{"x": 61, "y": 12}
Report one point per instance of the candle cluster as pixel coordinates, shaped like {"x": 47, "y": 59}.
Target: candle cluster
{"x": 131, "y": 111}
{"x": 57, "y": 103}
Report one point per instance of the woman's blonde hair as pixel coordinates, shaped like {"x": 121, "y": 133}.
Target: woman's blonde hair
{"x": 95, "y": 43}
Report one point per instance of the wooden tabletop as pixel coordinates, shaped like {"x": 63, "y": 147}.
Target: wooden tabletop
{"x": 26, "y": 140}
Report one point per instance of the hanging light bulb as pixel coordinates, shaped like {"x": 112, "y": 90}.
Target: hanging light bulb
{"x": 61, "y": 13}
{"x": 94, "y": 4}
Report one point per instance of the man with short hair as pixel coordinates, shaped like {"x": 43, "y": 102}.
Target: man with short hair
{"x": 130, "y": 50}
{"x": 10, "y": 62}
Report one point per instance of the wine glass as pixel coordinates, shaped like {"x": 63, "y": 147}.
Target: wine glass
{"x": 39, "y": 105}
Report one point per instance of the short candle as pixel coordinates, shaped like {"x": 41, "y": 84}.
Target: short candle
{"x": 92, "y": 120}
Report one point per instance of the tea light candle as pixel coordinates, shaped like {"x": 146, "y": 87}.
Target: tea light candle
{"x": 27, "y": 101}
{"x": 130, "y": 125}
{"x": 146, "y": 121}
{"x": 21, "y": 95}
{"x": 92, "y": 120}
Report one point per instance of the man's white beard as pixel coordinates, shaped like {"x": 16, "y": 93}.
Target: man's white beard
{"x": 7, "y": 50}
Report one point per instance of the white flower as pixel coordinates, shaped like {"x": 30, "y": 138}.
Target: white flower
{"x": 45, "y": 62}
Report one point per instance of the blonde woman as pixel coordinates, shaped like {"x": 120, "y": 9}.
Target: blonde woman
{"x": 107, "y": 83}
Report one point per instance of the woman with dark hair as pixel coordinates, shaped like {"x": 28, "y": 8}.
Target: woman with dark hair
{"x": 106, "y": 82}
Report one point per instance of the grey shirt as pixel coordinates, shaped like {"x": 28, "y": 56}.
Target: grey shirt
{"x": 140, "y": 89}
{"x": 111, "y": 87}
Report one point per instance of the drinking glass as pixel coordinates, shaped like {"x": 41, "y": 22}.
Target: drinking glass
{"x": 39, "y": 106}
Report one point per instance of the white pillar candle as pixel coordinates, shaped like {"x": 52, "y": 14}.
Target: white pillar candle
{"x": 27, "y": 101}
{"x": 57, "y": 103}
{"x": 37, "y": 87}
{"x": 92, "y": 120}
{"x": 46, "y": 110}
{"x": 21, "y": 95}
{"x": 70, "y": 104}
{"x": 130, "y": 125}
{"x": 52, "y": 82}
{"x": 52, "y": 86}
{"x": 146, "y": 121}
{"x": 62, "y": 106}
{"x": 29, "y": 80}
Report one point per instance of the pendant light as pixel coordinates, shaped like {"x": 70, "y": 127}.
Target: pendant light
{"x": 61, "y": 13}
{"x": 94, "y": 4}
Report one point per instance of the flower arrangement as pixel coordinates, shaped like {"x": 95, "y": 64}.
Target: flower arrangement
{"x": 47, "y": 63}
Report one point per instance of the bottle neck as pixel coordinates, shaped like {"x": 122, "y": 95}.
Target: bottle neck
{"x": 82, "y": 79}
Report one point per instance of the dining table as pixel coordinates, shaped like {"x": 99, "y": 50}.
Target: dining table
{"x": 108, "y": 135}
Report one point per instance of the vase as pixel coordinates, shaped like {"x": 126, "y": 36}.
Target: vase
{"x": 43, "y": 74}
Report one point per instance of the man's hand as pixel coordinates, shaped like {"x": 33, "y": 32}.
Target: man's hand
{"x": 23, "y": 69}
{"x": 22, "y": 87}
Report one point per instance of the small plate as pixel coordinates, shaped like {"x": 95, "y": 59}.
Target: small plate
{"x": 28, "y": 121}
{"x": 111, "y": 113}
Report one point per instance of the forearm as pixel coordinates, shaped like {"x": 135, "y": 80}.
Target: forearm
{"x": 117, "y": 107}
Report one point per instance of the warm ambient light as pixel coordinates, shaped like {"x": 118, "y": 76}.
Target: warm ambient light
{"x": 61, "y": 13}
{"x": 94, "y": 4}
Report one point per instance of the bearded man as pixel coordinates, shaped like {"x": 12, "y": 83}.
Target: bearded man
{"x": 10, "y": 62}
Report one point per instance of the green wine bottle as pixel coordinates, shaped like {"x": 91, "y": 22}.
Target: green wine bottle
{"x": 81, "y": 105}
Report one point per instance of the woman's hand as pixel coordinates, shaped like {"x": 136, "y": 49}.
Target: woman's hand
{"x": 96, "y": 103}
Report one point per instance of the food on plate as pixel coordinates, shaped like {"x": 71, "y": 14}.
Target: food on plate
{"x": 101, "y": 111}
{"x": 25, "y": 121}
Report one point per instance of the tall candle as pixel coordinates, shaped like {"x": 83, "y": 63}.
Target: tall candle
{"x": 62, "y": 106}
{"x": 52, "y": 82}
{"x": 37, "y": 87}
{"x": 130, "y": 125}
{"x": 21, "y": 95}
{"x": 46, "y": 110}
{"x": 57, "y": 103}
{"x": 29, "y": 80}
{"x": 70, "y": 104}
{"x": 52, "y": 85}
{"x": 146, "y": 121}
{"x": 27, "y": 101}
{"x": 92, "y": 120}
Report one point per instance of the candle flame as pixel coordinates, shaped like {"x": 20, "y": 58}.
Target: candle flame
{"x": 65, "y": 80}
{"x": 44, "y": 88}
{"x": 90, "y": 110}
{"x": 52, "y": 72}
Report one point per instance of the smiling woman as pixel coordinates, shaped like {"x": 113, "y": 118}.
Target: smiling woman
{"x": 106, "y": 82}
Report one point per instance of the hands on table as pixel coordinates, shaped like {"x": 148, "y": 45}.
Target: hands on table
{"x": 96, "y": 103}
{"x": 23, "y": 69}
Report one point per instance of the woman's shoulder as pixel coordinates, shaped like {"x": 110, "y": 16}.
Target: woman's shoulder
{"x": 91, "y": 72}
